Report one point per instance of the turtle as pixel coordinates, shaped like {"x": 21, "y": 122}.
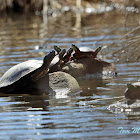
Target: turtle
{"x": 57, "y": 62}
{"x": 62, "y": 58}
{"x": 67, "y": 57}
{"x": 85, "y": 52}
{"x": 57, "y": 49}
{"x": 133, "y": 91}
{"x": 23, "y": 76}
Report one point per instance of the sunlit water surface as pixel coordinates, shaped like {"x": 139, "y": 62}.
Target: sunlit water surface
{"x": 79, "y": 116}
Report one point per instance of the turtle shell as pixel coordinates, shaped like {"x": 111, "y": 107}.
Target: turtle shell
{"x": 133, "y": 85}
{"x": 18, "y": 71}
{"x": 136, "y": 84}
{"x": 86, "y": 49}
{"x": 29, "y": 71}
{"x": 85, "y": 52}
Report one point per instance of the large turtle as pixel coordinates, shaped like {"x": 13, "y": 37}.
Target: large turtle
{"x": 24, "y": 76}
{"x": 85, "y": 52}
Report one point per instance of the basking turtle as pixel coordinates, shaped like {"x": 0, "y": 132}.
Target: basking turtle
{"x": 60, "y": 60}
{"x": 67, "y": 57}
{"x": 85, "y": 52}
{"x": 57, "y": 49}
{"x": 133, "y": 91}
{"x": 57, "y": 62}
{"x": 23, "y": 76}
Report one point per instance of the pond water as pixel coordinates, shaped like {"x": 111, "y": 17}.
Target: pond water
{"x": 84, "y": 116}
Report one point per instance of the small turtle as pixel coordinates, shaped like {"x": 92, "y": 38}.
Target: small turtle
{"x": 85, "y": 52}
{"x": 57, "y": 62}
{"x": 67, "y": 57}
{"x": 133, "y": 91}
{"x": 57, "y": 49}
{"x": 22, "y": 77}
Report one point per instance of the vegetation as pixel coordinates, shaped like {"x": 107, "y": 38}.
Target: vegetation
{"x": 39, "y": 5}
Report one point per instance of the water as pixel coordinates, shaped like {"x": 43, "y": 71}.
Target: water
{"x": 83, "y": 116}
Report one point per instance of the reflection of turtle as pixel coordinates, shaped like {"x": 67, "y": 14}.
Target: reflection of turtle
{"x": 133, "y": 91}
{"x": 85, "y": 52}
{"x": 23, "y": 76}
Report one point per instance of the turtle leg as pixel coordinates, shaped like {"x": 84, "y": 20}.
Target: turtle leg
{"x": 39, "y": 75}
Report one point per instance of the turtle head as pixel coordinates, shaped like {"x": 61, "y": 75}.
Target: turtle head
{"x": 75, "y": 48}
{"x": 48, "y": 58}
{"x": 69, "y": 52}
{"x": 57, "y": 49}
{"x": 98, "y": 49}
{"x": 62, "y": 53}
{"x": 131, "y": 86}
